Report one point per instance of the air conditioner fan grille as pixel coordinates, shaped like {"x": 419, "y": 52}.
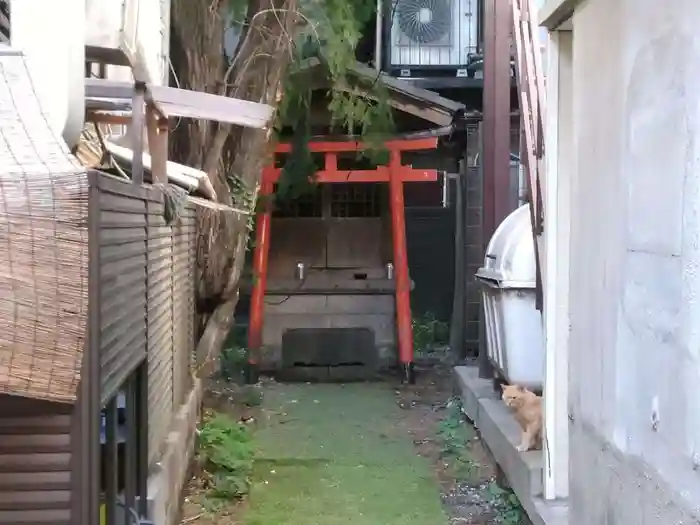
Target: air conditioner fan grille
{"x": 424, "y": 21}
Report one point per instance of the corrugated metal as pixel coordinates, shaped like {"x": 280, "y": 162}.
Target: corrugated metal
{"x": 122, "y": 283}
{"x": 183, "y": 303}
{"x": 192, "y": 317}
{"x": 35, "y": 462}
{"x": 145, "y": 309}
{"x": 146, "y": 299}
{"x": 160, "y": 326}
{"x": 171, "y": 263}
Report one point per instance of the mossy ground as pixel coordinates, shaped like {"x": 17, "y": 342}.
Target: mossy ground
{"x": 366, "y": 454}
{"x": 336, "y": 455}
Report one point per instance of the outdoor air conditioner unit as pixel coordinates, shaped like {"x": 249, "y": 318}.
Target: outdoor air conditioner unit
{"x": 432, "y": 34}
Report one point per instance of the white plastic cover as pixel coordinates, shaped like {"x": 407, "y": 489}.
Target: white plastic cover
{"x": 510, "y": 256}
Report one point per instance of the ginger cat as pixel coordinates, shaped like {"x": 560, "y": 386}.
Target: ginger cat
{"x": 527, "y": 409}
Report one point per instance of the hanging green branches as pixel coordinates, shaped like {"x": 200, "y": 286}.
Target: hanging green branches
{"x": 244, "y": 198}
{"x": 298, "y": 173}
{"x": 332, "y": 31}
{"x": 273, "y": 38}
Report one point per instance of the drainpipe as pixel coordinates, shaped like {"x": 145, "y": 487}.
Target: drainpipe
{"x": 522, "y": 186}
{"x": 522, "y": 176}
{"x": 55, "y": 59}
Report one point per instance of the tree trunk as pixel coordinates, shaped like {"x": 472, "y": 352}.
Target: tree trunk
{"x": 225, "y": 152}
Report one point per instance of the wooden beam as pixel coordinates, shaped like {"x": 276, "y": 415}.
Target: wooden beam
{"x": 404, "y": 104}
{"x": 495, "y": 132}
{"x": 381, "y": 174}
{"x": 107, "y": 55}
{"x": 107, "y": 118}
{"x": 496, "y": 116}
{"x": 176, "y": 102}
{"x": 137, "y": 124}
{"x": 349, "y": 146}
{"x": 403, "y": 96}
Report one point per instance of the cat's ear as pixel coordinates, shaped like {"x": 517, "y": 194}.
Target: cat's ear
{"x": 520, "y": 388}
{"x": 504, "y": 386}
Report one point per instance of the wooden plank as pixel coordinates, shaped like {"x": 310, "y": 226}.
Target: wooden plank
{"x": 138, "y": 116}
{"x": 531, "y": 107}
{"x": 175, "y": 102}
{"x": 106, "y": 55}
{"x": 539, "y": 74}
{"x": 406, "y": 88}
{"x": 526, "y": 117}
{"x": 402, "y": 95}
{"x": 531, "y": 80}
{"x": 110, "y": 89}
{"x": 107, "y": 118}
{"x": 407, "y": 105}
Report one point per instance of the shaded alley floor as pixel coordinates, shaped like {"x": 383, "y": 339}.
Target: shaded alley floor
{"x": 361, "y": 454}
{"x": 337, "y": 455}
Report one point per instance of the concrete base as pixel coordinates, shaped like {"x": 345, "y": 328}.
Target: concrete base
{"x": 165, "y": 485}
{"x": 330, "y": 312}
{"x": 501, "y": 434}
{"x": 327, "y": 374}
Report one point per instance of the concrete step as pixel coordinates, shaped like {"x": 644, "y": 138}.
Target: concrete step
{"x": 501, "y": 434}
{"x": 551, "y": 512}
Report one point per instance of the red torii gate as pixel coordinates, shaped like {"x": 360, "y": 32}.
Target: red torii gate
{"x": 395, "y": 174}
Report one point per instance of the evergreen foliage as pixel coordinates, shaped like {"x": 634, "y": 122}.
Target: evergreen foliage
{"x": 330, "y": 32}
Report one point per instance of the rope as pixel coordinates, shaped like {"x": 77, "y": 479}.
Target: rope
{"x": 175, "y": 199}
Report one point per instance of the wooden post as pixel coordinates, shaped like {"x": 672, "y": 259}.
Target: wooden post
{"x": 495, "y": 132}
{"x": 257, "y": 299}
{"x": 157, "y": 130}
{"x": 137, "y": 124}
{"x": 403, "y": 283}
{"x": 559, "y": 173}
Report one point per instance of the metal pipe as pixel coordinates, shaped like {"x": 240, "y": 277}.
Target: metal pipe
{"x": 301, "y": 271}
{"x": 522, "y": 181}
{"x": 445, "y": 189}
{"x": 378, "y": 37}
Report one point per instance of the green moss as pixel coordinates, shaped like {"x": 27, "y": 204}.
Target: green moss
{"x": 454, "y": 436}
{"x": 226, "y": 451}
{"x": 335, "y": 455}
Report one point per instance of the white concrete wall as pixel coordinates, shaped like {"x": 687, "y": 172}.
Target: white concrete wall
{"x": 135, "y": 24}
{"x": 635, "y": 264}
{"x": 142, "y": 28}
{"x": 55, "y": 58}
